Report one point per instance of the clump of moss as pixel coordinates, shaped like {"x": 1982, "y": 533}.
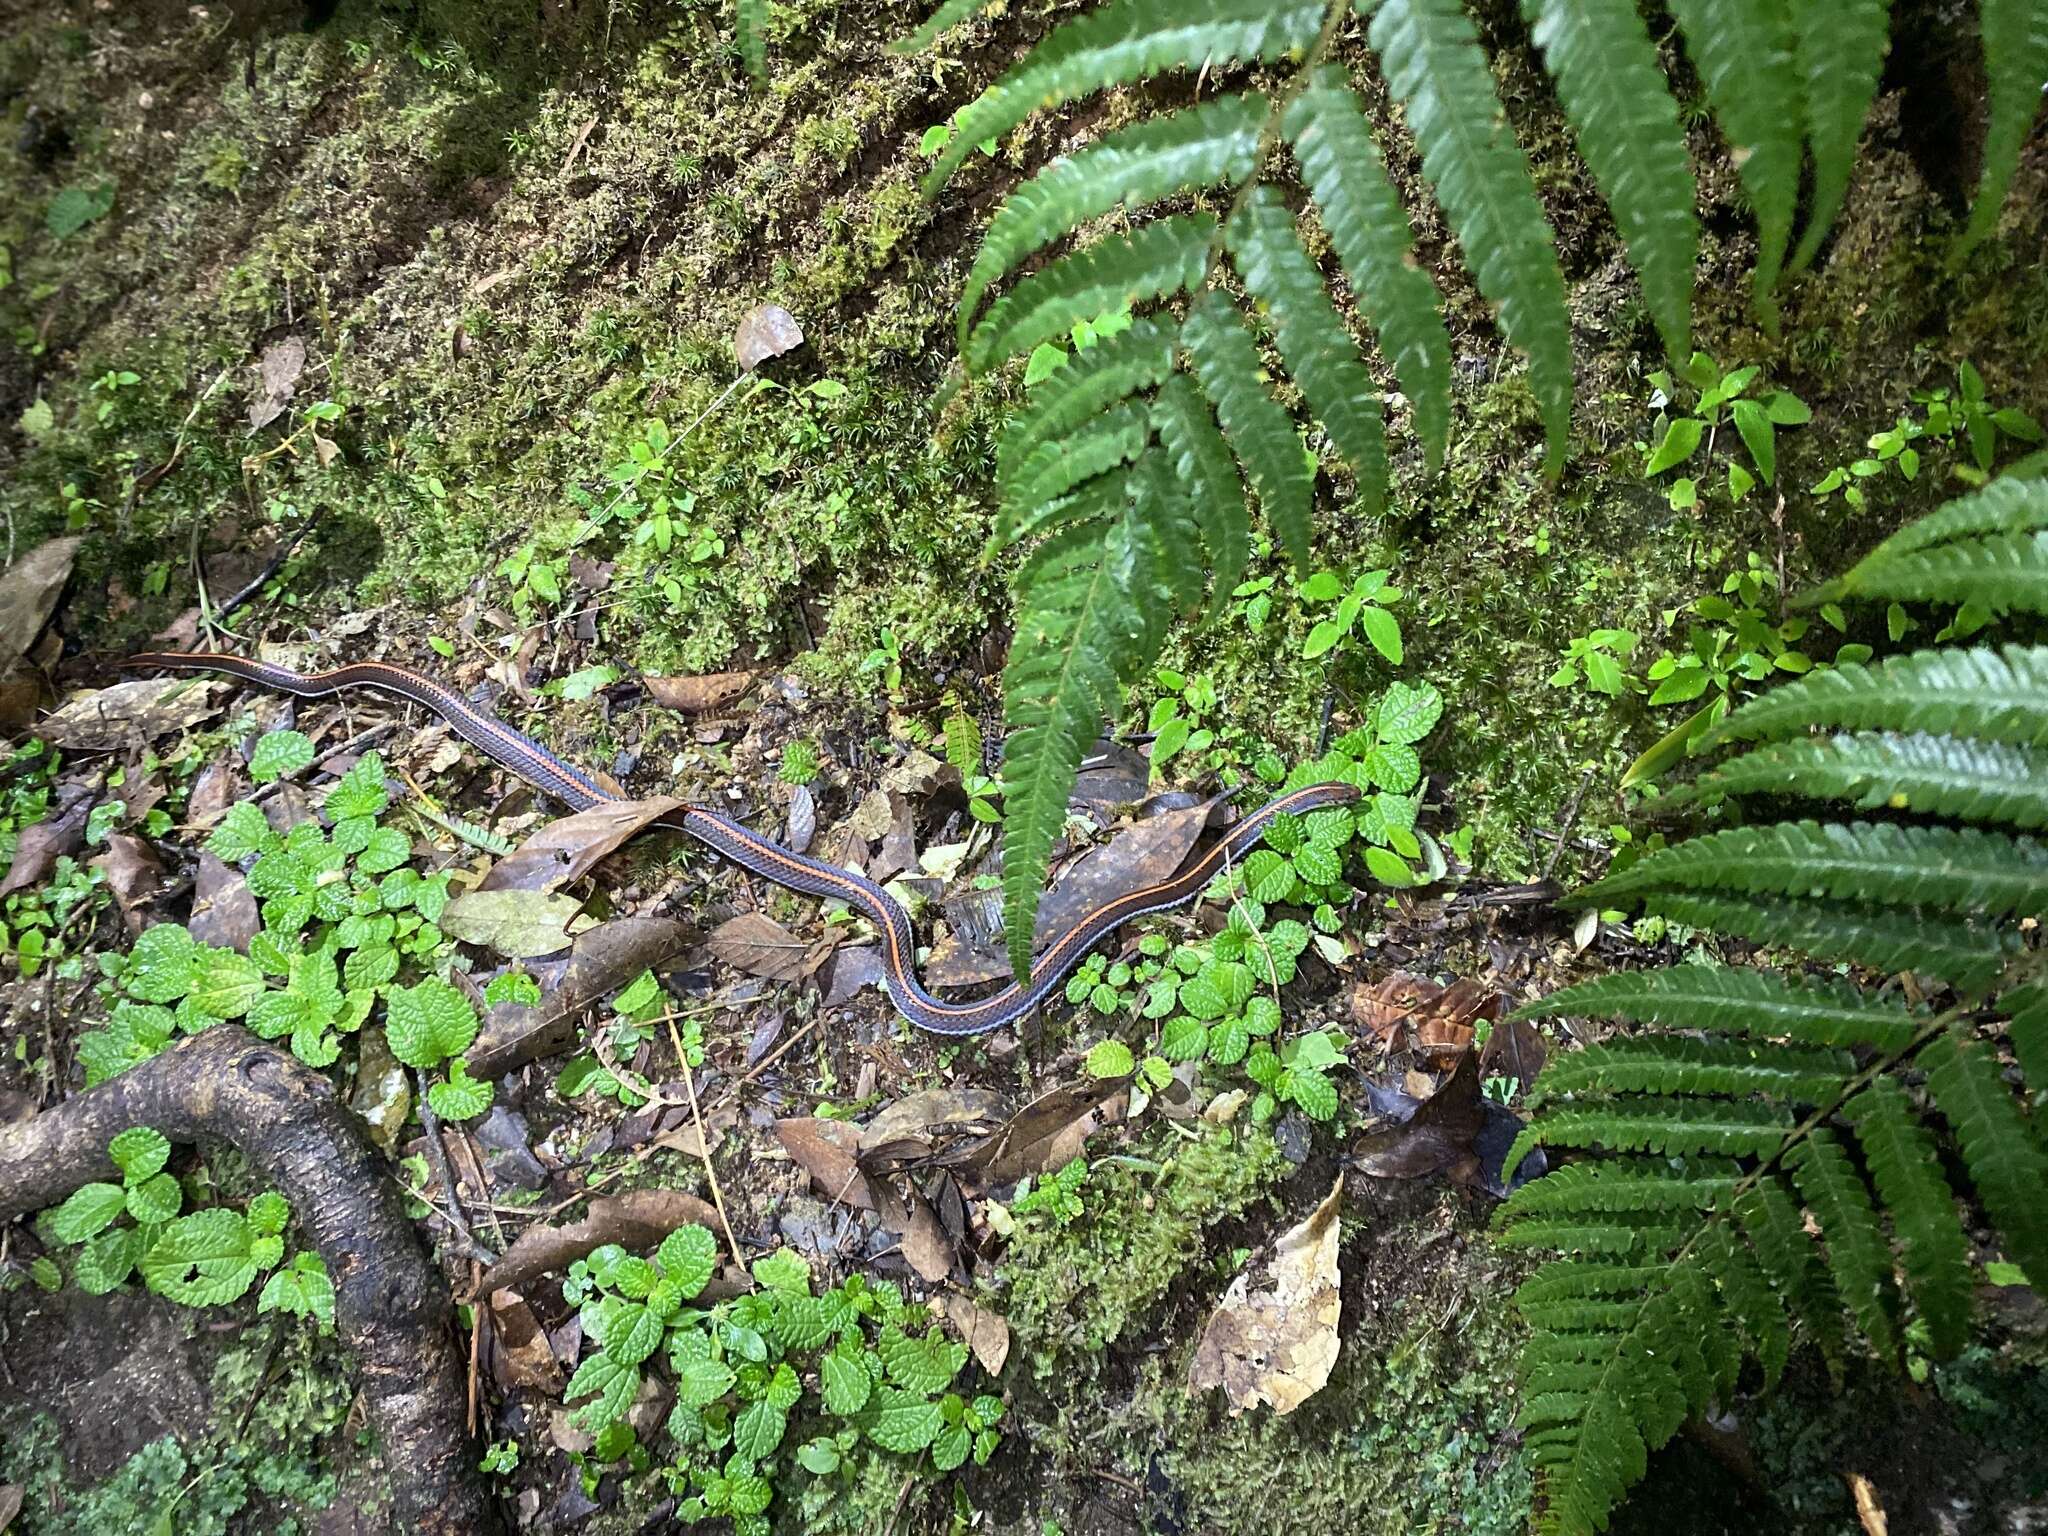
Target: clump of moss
{"x": 1072, "y": 1290}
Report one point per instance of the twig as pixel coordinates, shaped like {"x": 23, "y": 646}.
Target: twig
{"x": 437, "y": 1155}
{"x": 1571, "y": 817}
{"x": 764, "y": 1064}
{"x": 704, "y": 1141}
{"x": 270, "y": 569}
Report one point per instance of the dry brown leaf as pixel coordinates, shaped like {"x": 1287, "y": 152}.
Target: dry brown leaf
{"x": 39, "y": 847}
{"x": 701, "y": 694}
{"x": 826, "y": 1150}
{"x": 1516, "y": 1049}
{"x": 926, "y": 1248}
{"x": 224, "y": 910}
{"x": 1441, "y": 1136}
{"x": 570, "y": 847}
{"x": 760, "y": 946}
{"x": 1444, "y": 1030}
{"x": 986, "y": 1333}
{"x": 636, "y": 1220}
{"x": 519, "y": 924}
{"x": 277, "y": 379}
{"x": 133, "y": 873}
{"x": 523, "y": 1357}
{"x": 934, "y": 1109}
{"x": 1049, "y": 1132}
{"x": 602, "y": 961}
{"x": 103, "y": 719}
{"x": 10, "y": 1503}
{"x": 765, "y": 331}
{"x": 29, "y": 590}
{"x": 1383, "y": 1006}
{"x": 1278, "y": 1346}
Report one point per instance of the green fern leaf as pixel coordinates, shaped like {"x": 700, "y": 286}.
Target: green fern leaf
{"x": 2015, "y": 64}
{"x": 1123, "y": 41}
{"x": 1749, "y": 1298}
{"x": 1341, "y": 164}
{"x": 1113, "y": 369}
{"x": 1857, "y": 1253}
{"x": 2003, "y": 573}
{"x": 1841, "y": 48}
{"x": 1666, "y": 1065}
{"x": 751, "y": 17}
{"x": 1743, "y": 52}
{"x": 1153, "y": 159}
{"x": 1077, "y": 640}
{"x": 1430, "y": 53}
{"x": 1813, "y": 1010}
{"x": 1997, "y": 695}
{"x": 1160, "y": 259}
{"x": 2012, "y": 503}
{"x": 1950, "y": 868}
{"x": 2026, "y": 1009}
{"x": 1313, "y": 341}
{"x": 1776, "y": 1229}
{"x": 944, "y": 19}
{"x": 1260, "y": 433}
{"x": 1976, "y": 780}
{"x": 1203, "y": 466}
{"x": 1885, "y": 939}
{"x": 1568, "y": 1279}
{"x": 1623, "y": 1184}
{"x": 1161, "y": 511}
{"x": 1668, "y": 1127}
{"x": 1111, "y": 440}
{"x": 1614, "y": 92}
{"x": 1905, "y": 1165}
{"x": 2007, "y": 1164}
{"x": 1619, "y": 1233}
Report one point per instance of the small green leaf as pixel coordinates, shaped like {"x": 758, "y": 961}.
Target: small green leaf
{"x": 845, "y": 1383}
{"x": 139, "y": 1153}
{"x": 903, "y": 1422}
{"x": 88, "y": 1211}
{"x": 1109, "y": 1058}
{"x": 1384, "y": 633}
{"x": 279, "y": 753}
{"x": 687, "y": 1256}
{"x": 1681, "y": 437}
{"x": 610, "y": 1384}
{"x": 360, "y": 791}
{"x": 155, "y": 1200}
{"x": 461, "y": 1097}
{"x": 427, "y": 1023}
{"x": 759, "y": 1429}
{"x": 820, "y": 1456}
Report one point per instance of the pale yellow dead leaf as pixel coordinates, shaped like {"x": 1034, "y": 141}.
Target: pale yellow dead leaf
{"x": 1278, "y": 1346}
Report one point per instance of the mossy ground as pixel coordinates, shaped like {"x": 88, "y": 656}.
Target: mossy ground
{"x": 508, "y": 236}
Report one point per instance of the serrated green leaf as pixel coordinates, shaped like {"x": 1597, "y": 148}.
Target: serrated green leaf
{"x": 428, "y": 1022}
{"x": 358, "y": 792}
{"x": 1204, "y": 469}
{"x": 1840, "y": 52}
{"x": 1975, "y": 780}
{"x": 845, "y": 1383}
{"x": 241, "y": 832}
{"x": 225, "y": 985}
{"x": 609, "y": 1384}
{"x": 902, "y": 1421}
{"x": 106, "y": 1260}
{"x": 86, "y": 1211}
{"x": 155, "y": 1199}
{"x": 1258, "y": 431}
{"x": 139, "y": 1152}
{"x": 204, "y": 1259}
{"x": 759, "y": 1429}
{"x": 279, "y": 753}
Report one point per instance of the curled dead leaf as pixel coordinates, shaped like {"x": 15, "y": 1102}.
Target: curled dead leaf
{"x": 277, "y": 379}
{"x": 760, "y": 946}
{"x": 1049, "y": 1132}
{"x": 828, "y": 1150}
{"x": 701, "y": 694}
{"x": 765, "y": 331}
{"x": 523, "y": 1357}
{"x": 569, "y": 847}
{"x": 1278, "y": 1345}
{"x": 104, "y": 719}
{"x": 986, "y": 1333}
{"x": 133, "y": 873}
{"x": 39, "y": 847}
{"x": 935, "y": 1109}
{"x": 29, "y": 590}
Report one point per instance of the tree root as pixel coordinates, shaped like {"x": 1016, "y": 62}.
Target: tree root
{"x": 390, "y": 1306}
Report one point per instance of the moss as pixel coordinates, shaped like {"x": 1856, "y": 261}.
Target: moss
{"x": 1070, "y": 1291}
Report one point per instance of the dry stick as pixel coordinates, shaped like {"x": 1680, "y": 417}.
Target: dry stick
{"x": 1571, "y": 818}
{"x": 437, "y": 1154}
{"x": 763, "y": 1064}
{"x": 704, "y": 1141}
{"x": 270, "y": 569}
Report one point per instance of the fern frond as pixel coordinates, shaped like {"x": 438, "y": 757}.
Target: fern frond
{"x": 1570, "y": 1279}
{"x": 1162, "y": 258}
{"x": 2013, "y": 503}
{"x": 1668, "y": 1127}
{"x": 1749, "y": 1297}
{"x": 1776, "y": 1229}
{"x": 1813, "y": 1010}
{"x": 1313, "y": 341}
{"x": 2002, "y": 573}
{"x": 2026, "y": 1010}
{"x": 1613, "y": 90}
{"x": 1152, "y": 159}
{"x": 1743, "y": 52}
{"x": 1623, "y": 1184}
{"x": 1161, "y": 512}
{"x": 751, "y": 20}
{"x": 1617, "y": 1233}
{"x": 1259, "y": 432}
{"x": 1123, "y": 41}
{"x": 2015, "y": 64}
{"x": 943, "y": 20}
{"x": 1430, "y": 53}
{"x": 1952, "y": 868}
{"x": 1841, "y": 48}
{"x": 1114, "y": 369}
{"x": 1662, "y": 1064}
{"x": 1340, "y": 162}
{"x": 1999, "y": 695}
{"x": 1857, "y": 1253}
{"x": 1905, "y": 1165}
{"x": 1975, "y": 780}
{"x": 1885, "y": 939}
{"x": 1203, "y": 465}
{"x": 1112, "y": 439}
{"x": 1077, "y": 637}
{"x": 2006, "y": 1162}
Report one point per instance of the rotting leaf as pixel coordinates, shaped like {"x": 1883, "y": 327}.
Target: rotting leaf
{"x": 29, "y": 590}
{"x": 569, "y": 847}
{"x": 636, "y": 1220}
{"x": 827, "y": 1150}
{"x": 40, "y": 846}
{"x": 1455, "y": 1132}
{"x": 224, "y": 910}
{"x": 520, "y": 924}
{"x": 1383, "y": 1006}
{"x": 1049, "y": 1132}
{"x": 522, "y": 1357}
{"x": 760, "y": 946}
{"x": 278, "y": 379}
{"x": 601, "y": 961}
{"x": 1278, "y": 1346}
{"x": 1440, "y": 1022}
{"x": 133, "y": 874}
{"x": 1516, "y": 1049}
{"x": 765, "y": 331}
{"x": 926, "y": 1248}
{"x": 699, "y": 695}
{"x": 104, "y": 719}
{"x": 933, "y": 1109}
{"x": 986, "y": 1333}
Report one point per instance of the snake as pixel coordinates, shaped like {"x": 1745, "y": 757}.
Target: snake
{"x": 541, "y": 768}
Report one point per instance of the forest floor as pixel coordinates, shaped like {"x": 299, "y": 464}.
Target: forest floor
{"x": 371, "y": 309}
